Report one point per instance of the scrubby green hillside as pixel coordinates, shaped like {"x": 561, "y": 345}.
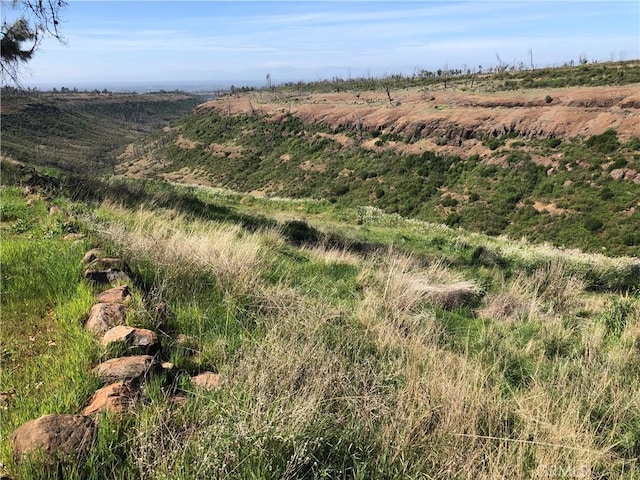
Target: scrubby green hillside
{"x": 79, "y": 132}
{"x": 578, "y": 204}
{"x": 351, "y": 343}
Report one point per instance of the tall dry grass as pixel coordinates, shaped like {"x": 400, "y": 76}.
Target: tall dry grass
{"x": 373, "y": 388}
{"x": 551, "y": 290}
{"x": 180, "y": 245}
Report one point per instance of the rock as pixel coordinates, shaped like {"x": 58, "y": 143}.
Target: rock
{"x": 168, "y": 366}
{"x": 109, "y": 276}
{"x": 136, "y": 337}
{"x": 74, "y": 236}
{"x": 120, "y": 294}
{"x": 183, "y": 339}
{"x": 108, "y": 263}
{"x": 617, "y": 174}
{"x": 55, "y": 210}
{"x": 104, "y": 316}
{"x": 126, "y": 368}
{"x": 91, "y": 255}
{"x": 207, "y": 381}
{"x": 56, "y": 435}
{"x": 114, "y": 398}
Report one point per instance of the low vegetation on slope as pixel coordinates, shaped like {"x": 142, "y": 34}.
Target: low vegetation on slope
{"x": 78, "y": 132}
{"x": 576, "y": 192}
{"x": 351, "y": 343}
{"x": 355, "y": 329}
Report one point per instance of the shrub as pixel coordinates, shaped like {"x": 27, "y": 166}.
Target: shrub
{"x": 593, "y": 224}
{"x": 606, "y": 194}
{"x": 299, "y": 232}
{"x": 548, "y": 99}
{"x": 606, "y": 142}
{"x": 634, "y": 143}
{"x": 554, "y": 142}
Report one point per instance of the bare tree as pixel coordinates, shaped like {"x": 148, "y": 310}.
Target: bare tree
{"x": 36, "y": 20}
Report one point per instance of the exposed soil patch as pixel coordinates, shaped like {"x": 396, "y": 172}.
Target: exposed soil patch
{"x": 188, "y": 176}
{"x": 225, "y": 150}
{"x": 309, "y": 166}
{"x": 185, "y": 143}
{"x": 454, "y": 120}
{"x": 551, "y": 209}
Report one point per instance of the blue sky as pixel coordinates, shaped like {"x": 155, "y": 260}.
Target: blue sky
{"x": 240, "y": 42}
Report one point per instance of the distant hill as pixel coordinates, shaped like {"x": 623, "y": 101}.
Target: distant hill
{"x": 75, "y": 131}
{"x": 558, "y": 164}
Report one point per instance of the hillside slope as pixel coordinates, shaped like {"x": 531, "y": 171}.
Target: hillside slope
{"x": 79, "y": 132}
{"x": 348, "y": 343}
{"x": 559, "y": 165}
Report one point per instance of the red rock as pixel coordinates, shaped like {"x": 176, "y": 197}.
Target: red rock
{"x": 126, "y": 368}
{"x": 137, "y": 337}
{"x": 207, "y": 381}
{"x": 120, "y": 294}
{"x": 106, "y": 263}
{"x": 91, "y": 255}
{"x": 104, "y": 316}
{"x": 55, "y": 435}
{"x": 114, "y": 398}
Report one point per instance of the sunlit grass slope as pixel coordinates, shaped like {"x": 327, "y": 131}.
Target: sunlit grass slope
{"x": 351, "y": 343}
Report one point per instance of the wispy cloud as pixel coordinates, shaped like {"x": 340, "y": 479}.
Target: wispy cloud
{"x": 181, "y": 39}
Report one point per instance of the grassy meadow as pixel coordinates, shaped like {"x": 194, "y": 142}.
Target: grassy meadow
{"x": 352, "y": 343}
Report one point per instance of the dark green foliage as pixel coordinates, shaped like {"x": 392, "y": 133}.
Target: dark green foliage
{"x": 610, "y": 73}
{"x": 606, "y": 142}
{"x": 501, "y": 199}
{"x": 554, "y": 142}
{"x": 593, "y": 224}
{"x": 634, "y": 143}
{"x": 300, "y": 232}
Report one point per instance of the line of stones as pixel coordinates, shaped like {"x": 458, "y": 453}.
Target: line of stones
{"x": 60, "y": 436}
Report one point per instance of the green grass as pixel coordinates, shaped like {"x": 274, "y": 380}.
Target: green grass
{"x": 597, "y": 213}
{"x": 325, "y": 316}
{"x": 334, "y": 362}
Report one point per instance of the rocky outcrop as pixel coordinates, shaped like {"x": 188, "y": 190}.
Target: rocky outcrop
{"x": 105, "y": 316}
{"x": 109, "y": 276}
{"x": 91, "y": 255}
{"x": 121, "y": 294}
{"x": 627, "y": 174}
{"x": 207, "y": 381}
{"x": 56, "y": 436}
{"x": 135, "y": 337}
{"x": 61, "y": 437}
{"x": 119, "y": 369}
{"x": 115, "y": 398}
